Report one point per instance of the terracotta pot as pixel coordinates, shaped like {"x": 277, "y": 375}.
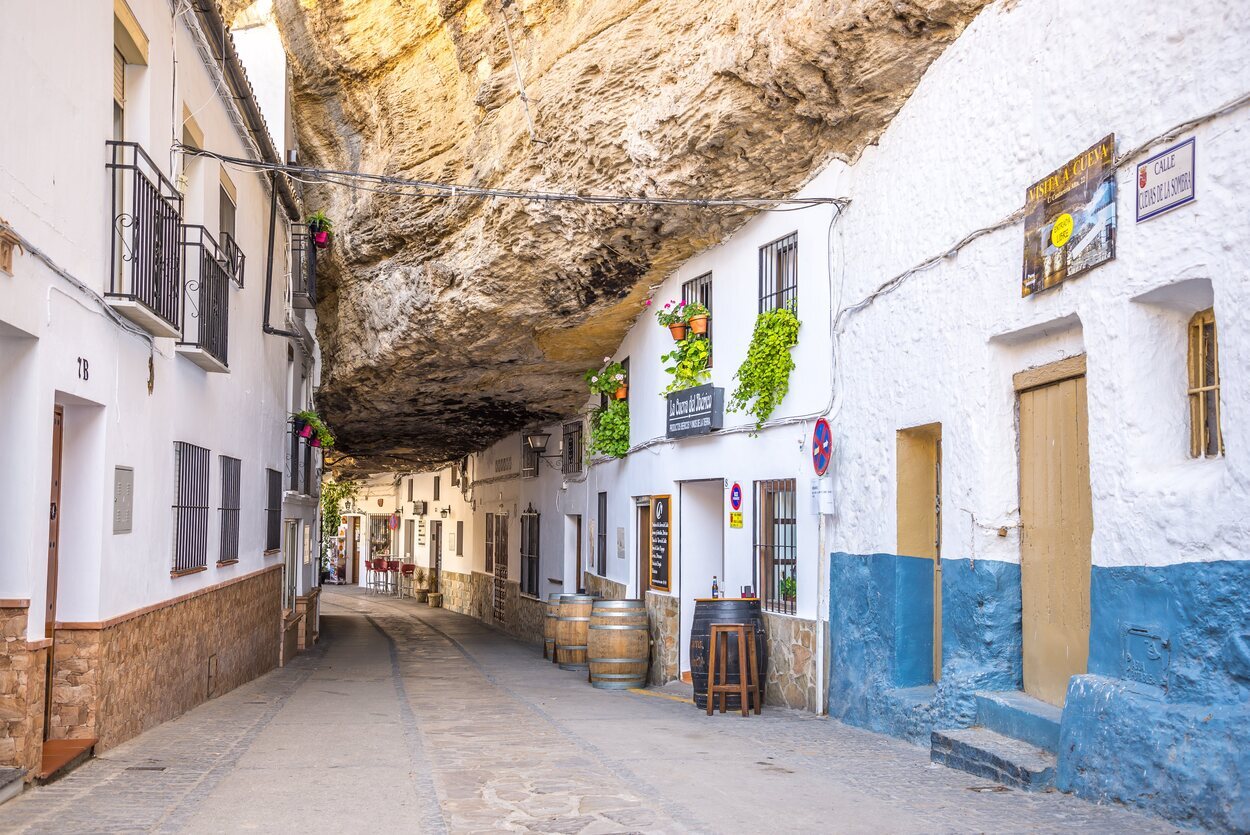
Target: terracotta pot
{"x": 622, "y": 392}
{"x": 321, "y": 239}
{"x": 678, "y": 331}
{"x": 305, "y": 430}
{"x": 698, "y": 324}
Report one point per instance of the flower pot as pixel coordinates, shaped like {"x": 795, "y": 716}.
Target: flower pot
{"x": 436, "y": 599}
{"x": 315, "y": 442}
{"x": 698, "y": 324}
{"x": 305, "y": 430}
{"x": 678, "y": 331}
{"x": 321, "y": 239}
{"x": 622, "y": 392}
{"x": 421, "y": 595}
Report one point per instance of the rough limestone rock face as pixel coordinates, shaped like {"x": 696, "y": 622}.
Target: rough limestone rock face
{"x": 448, "y": 322}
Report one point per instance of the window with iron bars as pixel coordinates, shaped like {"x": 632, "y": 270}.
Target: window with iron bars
{"x": 190, "y": 507}
{"x": 1206, "y": 439}
{"x": 529, "y": 553}
{"x": 572, "y": 448}
{"x": 601, "y": 536}
{"x": 776, "y": 546}
{"x": 231, "y": 478}
{"x": 529, "y": 460}
{"x": 437, "y": 487}
{"x": 779, "y": 273}
{"x": 273, "y": 510}
{"x": 699, "y": 289}
{"x": 490, "y": 543}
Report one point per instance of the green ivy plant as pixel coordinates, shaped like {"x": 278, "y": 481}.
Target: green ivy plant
{"x": 764, "y": 377}
{"x": 788, "y": 588}
{"x": 688, "y": 363}
{"x": 333, "y": 494}
{"x": 609, "y": 430}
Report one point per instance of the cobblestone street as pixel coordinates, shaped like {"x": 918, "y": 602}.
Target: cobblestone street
{"x": 408, "y": 718}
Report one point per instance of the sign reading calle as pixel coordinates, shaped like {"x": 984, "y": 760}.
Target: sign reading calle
{"x": 660, "y": 570}
{"x": 1165, "y": 181}
{"x": 695, "y": 411}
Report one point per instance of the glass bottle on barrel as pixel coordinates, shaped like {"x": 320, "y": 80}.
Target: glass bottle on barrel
{"x": 715, "y": 588}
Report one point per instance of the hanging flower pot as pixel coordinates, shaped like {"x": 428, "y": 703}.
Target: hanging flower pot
{"x": 322, "y": 240}
{"x": 320, "y": 226}
{"x": 305, "y": 430}
{"x": 315, "y": 442}
{"x": 678, "y": 330}
{"x": 622, "y": 392}
{"x": 698, "y": 324}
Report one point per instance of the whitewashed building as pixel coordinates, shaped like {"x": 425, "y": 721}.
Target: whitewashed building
{"x": 146, "y": 388}
{"x": 1034, "y": 524}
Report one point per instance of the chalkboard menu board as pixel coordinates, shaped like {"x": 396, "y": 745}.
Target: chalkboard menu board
{"x": 660, "y": 569}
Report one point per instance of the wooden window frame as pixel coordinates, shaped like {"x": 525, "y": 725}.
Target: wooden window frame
{"x": 1203, "y": 391}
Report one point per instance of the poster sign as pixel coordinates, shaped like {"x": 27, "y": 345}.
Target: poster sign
{"x": 695, "y": 411}
{"x": 661, "y": 570}
{"x": 1069, "y": 225}
{"x": 1166, "y": 181}
{"x": 735, "y": 496}
{"x": 822, "y": 446}
{"x": 735, "y": 518}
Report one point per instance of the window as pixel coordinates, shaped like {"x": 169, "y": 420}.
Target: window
{"x": 410, "y": 481}
{"x": 455, "y": 475}
{"x": 190, "y": 507}
{"x": 504, "y": 464}
{"x": 601, "y": 536}
{"x": 381, "y": 537}
{"x": 460, "y": 538}
{"x": 529, "y": 553}
{"x": 119, "y": 95}
{"x": 490, "y": 543}
{"x": 291, "y": 529}
{"x": 572, "y": 448}
{"x": 410, "y": 535}
{"x": 700, "y": 290}
{"x": 273, "y": 511}
{"x": 779, "y": 273}
{"x": 437, "y": 479}
{"x": 231, "y": 469}
{"x": 776, "y": 548}
{"x": 529, "y": 460}
{"x": 1206, "y": 440}
{"x": 225, "y": 213}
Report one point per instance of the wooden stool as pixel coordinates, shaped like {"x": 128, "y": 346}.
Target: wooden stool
{"x": 748, "y": 670}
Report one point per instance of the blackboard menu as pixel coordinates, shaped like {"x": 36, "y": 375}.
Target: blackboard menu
{"x": 660, "y": 568}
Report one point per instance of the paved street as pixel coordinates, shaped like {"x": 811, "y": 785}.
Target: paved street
{"x": 414, "y": 719}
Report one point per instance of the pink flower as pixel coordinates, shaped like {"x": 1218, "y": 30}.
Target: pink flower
{"x": 668, "y": 304}
{"x": 607, "y": 360}
{"x": 647, "y": 302}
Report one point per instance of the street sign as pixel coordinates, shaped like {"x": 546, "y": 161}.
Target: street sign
{"x": 735, "y": 519}
{"x": 735, "y": 496}
{"x": 822, "y": 446}
{"x": 1166, "y": 181}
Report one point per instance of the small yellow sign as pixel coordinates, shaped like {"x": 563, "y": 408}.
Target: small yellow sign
{"x": 735, "y": 518}
{"x": 1062, "y": 230}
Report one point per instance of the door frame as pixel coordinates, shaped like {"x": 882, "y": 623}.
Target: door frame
{"x": 54, "y": 539}
{"x": 436, "y": 552}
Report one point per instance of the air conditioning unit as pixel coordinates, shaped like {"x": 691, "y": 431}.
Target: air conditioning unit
{"x": 420, "y": 508}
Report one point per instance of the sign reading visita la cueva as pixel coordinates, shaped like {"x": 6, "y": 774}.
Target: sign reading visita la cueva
{"x": 1069, "y": 225}
{"x": 695, "y": 411}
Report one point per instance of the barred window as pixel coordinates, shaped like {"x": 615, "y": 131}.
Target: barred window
{"x": 779, "y": 273}
{"x": 529, "y": 460}
{"x": 273, "y": 511}
{"x": 490, "y": 543}
{"x": 776, "y": 547}
{"x": 699, "y": 290}
{"x": 601, "y": 537}
{"x": 1206, "y": 439}
{"x": 231, "y": 477}
{"x": 529, "y": 552}
{"x": 572, "y": 448}
{"x": 190, "y": 507}
{"x": 437, "y": 479}
{"x": 460, "y": 538}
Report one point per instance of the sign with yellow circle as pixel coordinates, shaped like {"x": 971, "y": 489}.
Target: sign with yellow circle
{"x": 1061, "y": 232}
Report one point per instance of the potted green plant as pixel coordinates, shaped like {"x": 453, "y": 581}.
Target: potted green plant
{"x": 609, "y": 380}
{"x": 697, "y": 316}
{"x": 788, "y": 588}
{"x": 688, "y": 364}
{"x": 764, "y": 376}
{"x": 320, "y": 226}
{"x": 420, "y": 592}
{"x": 673, "y": 317}
{"x": 305, "y": 423}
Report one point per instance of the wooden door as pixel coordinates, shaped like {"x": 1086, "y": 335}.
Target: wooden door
{"x": 436, "y": 553}
{"x": 1057, "y": 523}
{"x": 501, "y": 566}
{"x": 54, "y": 538}
{"x": 919, "y": 510}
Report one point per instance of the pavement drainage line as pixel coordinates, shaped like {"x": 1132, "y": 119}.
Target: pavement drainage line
{"x": 180, "y": 814}
{"x": 675, "y": 810}
{"x": 423, "y": 783}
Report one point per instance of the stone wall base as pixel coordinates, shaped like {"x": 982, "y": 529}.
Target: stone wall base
{"x": 602, "y": 586}
{"x": 664, "y": 615}
{"x": 474, "y": 595}
{"x": 792, "y": 677}
{"x": 22, "y": 685}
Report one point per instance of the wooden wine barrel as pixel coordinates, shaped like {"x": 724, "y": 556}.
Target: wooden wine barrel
{"x": 572, "y": 625}
{"x": 708, "y": 611}
{"x": 618, "y": 644}
{"x": 549, "y": 626}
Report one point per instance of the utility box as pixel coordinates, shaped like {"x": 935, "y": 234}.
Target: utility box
{"x": 123, "y": 499}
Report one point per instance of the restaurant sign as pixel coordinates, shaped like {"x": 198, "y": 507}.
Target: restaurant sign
{"x": 1069, "y": 223}
{"x": 1166, "y": 181}
{"x": 695, "y": 411}
{"x": 661, "y": 569}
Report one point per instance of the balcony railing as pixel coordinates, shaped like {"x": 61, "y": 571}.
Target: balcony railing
{"x": 145, "y": 268}
{"x": 303, "y": 270}
{"x": 234, "y": 258}
{"x": 299, "y": 463}
{"x": 206, "y": 325}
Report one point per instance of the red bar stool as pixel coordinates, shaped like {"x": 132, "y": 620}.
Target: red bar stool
{"x": 408, "y": 573}
{"x": 392, "y": 576}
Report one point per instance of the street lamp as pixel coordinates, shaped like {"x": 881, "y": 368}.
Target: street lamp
{"x": 537, "y": 443}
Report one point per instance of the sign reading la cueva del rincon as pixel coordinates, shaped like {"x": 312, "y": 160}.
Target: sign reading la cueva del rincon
{"x": 695, "y": 411}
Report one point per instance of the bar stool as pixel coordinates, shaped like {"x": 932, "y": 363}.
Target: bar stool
{"x": 748, "y": 669}
{"x": 407, "y": 573}
{"x": 371, "y": 575}
{"x": 392, "y": 576}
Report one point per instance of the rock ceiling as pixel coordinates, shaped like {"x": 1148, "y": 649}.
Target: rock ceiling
{"x": 447, "y": 323}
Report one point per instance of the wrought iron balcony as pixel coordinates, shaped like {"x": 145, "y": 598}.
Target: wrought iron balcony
{"x": 234, "y": 258}
{"x": 303, "y": 270}
{"x": 145, "y": 267}
{"x": 206, "y": 325}
{"x": 300, "y": 465}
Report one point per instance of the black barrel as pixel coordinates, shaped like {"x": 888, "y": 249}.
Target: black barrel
{"x": 724, "y": 610}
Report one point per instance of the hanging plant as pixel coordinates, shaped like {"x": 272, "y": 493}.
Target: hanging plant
{"x": 607, "y": 380}
{"x": 673, "y": 317}
{"x": 320, "y": 226}
{"x": 688, "y": 363}
{"x": 764, "y": 377}
{"x": 609, "y": 430}
{"x": 333, "y": 495}
{"x": 310, "y": 425}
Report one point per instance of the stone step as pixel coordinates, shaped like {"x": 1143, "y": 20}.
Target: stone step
{"x": 11, "y": 783}
{"x": 1020, "y": 716}
{"x": 996, "y": 757}
{"x": 61, "y": 756}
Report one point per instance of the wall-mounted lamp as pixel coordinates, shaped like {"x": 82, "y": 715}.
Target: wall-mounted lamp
{"x": 445, "y": 512}
{"x": 537, "y": 443}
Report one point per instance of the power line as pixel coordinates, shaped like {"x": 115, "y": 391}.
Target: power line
{"x": 429, "y": 189}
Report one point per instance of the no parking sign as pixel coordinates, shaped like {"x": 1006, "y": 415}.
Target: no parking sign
{"x": 735, "y": 496}
{"x": 822, "y": 447}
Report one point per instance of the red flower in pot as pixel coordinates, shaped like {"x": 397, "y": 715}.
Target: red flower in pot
{"x": 320, "y": 227}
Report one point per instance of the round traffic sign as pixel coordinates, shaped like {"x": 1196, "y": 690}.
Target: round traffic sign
{"x": 822, "y": 446}
{"x": 735, "y": 496}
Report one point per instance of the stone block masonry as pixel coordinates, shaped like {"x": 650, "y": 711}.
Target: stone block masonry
{"x": 791, "y": 677}
{"x": 474, "y": 595}
{"x": 602, "y": 586}
{"x": 22, "y": 685}
{"x": 116, "y": 679}
{"x": 664, "y": 615}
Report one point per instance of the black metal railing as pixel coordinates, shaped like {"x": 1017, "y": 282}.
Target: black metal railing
{"x": 231, "y": 484}
{"x": 306, "y": 470}
{"x": 207, "y": 325}
{"x": 190, "y": 507}
{"x": 234, "y": 258}
{"x": 145, "y": 248}
{"x": 303, "y": 270}
{"x": 779, "y": 273}
{"x": 294, "y": 462}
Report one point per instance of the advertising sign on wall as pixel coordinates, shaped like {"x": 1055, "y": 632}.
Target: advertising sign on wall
{"x": 1069, "y": 225}
{"x": 660, "y": 567}
{"x": 1166, "y": 181}
{"x": 695, "y": 411}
